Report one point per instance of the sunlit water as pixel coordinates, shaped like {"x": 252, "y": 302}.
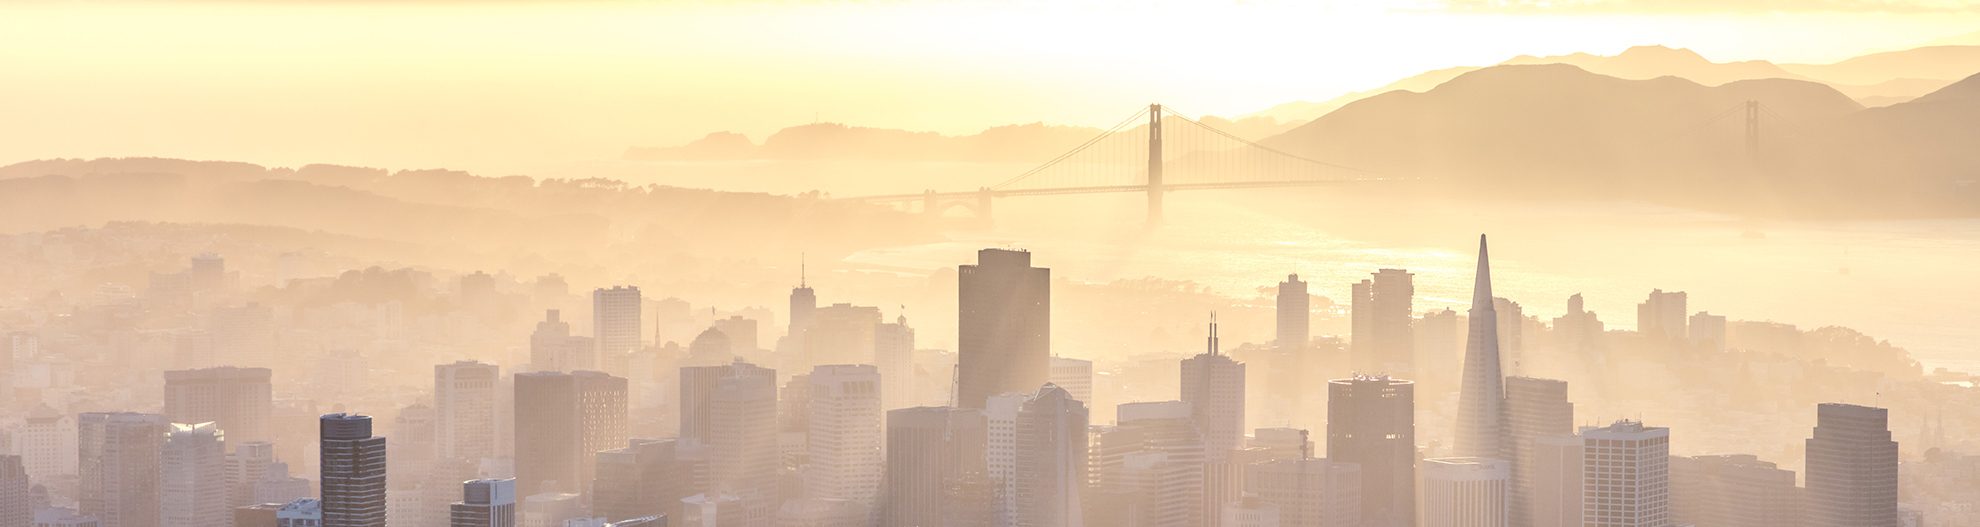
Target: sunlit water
{"x": 1909, "y": 281}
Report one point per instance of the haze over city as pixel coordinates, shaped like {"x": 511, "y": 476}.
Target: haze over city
{"x": 504, "y": 263}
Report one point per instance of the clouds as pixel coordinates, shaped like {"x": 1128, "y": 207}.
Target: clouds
{"x": 1708, "y": 6}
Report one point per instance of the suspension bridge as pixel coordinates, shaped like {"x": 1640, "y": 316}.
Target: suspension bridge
{"x": 1173, "y": 152}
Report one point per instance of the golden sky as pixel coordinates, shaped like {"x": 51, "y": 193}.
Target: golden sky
{"x": 512, "y": 86}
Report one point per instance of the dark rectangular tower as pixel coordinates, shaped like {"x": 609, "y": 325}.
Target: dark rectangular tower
{"x": 1004, "y": 326}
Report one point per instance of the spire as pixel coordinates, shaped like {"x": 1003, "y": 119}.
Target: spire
{"x": 1213, "y": 333}
{"x": 801, "y": 271}
{"x": 1481, "y": 291}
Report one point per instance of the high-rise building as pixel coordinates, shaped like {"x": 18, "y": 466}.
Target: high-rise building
{"x": 822, "y": 512}
{"x": 1438, "y": 341}
{"x": 1481, "y": 398}
{"x": 646, "y": 478}
{"x": 1732, "y": 491}
{"x": 741, "y": 332}
{"x": 277, "y": 486}
{"x": 936, "y": 471}
{"x": 353, "y": 477}
{"x": 1662, "y": 315}
{"x": 257, "y": 515}
{"x": 615, "y": 324}
{"x": 119, "y": 467}
{"x": 1051, "y": 458}
{"x": 1250, "y": 511}
{"x": 1004, "y": 326}
{"x": 1512, "y": 334}
{"x": 714, "y": 510}
{"x": 698, "y": 385}
{"x": 1001, "y": 412}
{"x": 804, "y": 303}
{"x": 1151, "y": 468}
{"x": 893, "y": 352}
{"x": 237, "y": 400}
{"x": 1371, "y": 422}
{"x": 1708, "y": 331}
{"x": 552, "y": 348}
{"x": 846, "y": 433}
{"x": 1295, "y": 314}
{"x": 245, "y": 467}
{"x": 549, "y": 509}
{"x": 1464, "y": 492}
{"x": 740, "y": 437}
{"x": 485, "y": 503}
{"x": 192, "y": 482}
{"x": 1852, "y": 468}
{"x": 47, "y": 443}
{"x": 1075, "y": 376}
{"x": 464, "y": 409}
{"x": 1577, "y": 332}
{"x": 1213, "y": 385}
{"x": 561, "y": 421}
{"x": 1535, "y": 408}
{"x": 1381, "y": 311}
{"x": 1625, "y": 475}
{"x": 1556, "y": 478}
{"x": 16, "y": 509}
{"x": 1309, "y": 492}
{"x": 841, "y": 334}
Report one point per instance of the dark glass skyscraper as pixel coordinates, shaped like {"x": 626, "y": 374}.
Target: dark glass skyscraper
{"x": 353, "y": 476}
{"x": 1371, "y": 421}
{"x": 1295, "y": 314}
{"x": 1004, "y": 326}
{"x": 1852, "y": 468}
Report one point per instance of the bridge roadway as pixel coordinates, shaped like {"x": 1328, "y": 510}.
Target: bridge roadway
{"x": 1001, "y": 193}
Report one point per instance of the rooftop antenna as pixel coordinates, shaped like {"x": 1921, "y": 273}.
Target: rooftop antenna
{"x": 801, "y": 271}
{"x": 1213, "y": 332}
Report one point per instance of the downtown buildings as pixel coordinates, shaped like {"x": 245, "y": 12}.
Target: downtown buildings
{"x": 1004, "y": 326}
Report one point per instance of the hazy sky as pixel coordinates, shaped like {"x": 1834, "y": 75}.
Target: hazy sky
{"x": 512, "y": 86}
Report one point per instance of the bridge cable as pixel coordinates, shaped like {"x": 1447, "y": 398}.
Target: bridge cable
{"x": 1082, "y": 147}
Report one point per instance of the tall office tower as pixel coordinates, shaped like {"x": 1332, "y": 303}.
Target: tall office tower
{"x": 1577, "y": 331}
{"x": 549, "y": 509}
{"x": 1295, "y": 314}
{"x": 47, "y": 443}
{"x": 1151, "y": 468}
{"x": 740, "y": 437}
{"x": 846, "y": 433}
{"x": 353, "y": 472}
{"x": 893, "y": 351}
{"x": 1481, "y": 398}
{"x": 1556, "y": 477}
{"x": 562, "y": 419}
{"x": 551, "y": 347}
{"x": 1464, "y": 492}
{"x": 1708, "y": 331}
{"x": 936, "y": 471}
{"x": 304, "y": 512}
{"x": 1310, "y": 492}
{"x": 1213, "y": 385}
{"x": 1075, "y": 376}
{"x": 1004, "y": 326}
{"x": 485, "y": 503}
{"x": 237, "y": 400}
{"x": 245, "y": 467}
{"x": 741, "y": 332}
{"x": 1535, "y": 408}
{"x": 1001, "y": 412}
{"x": 1625, "y": 477}
{"x": 464, "y": 409}
{"x": 615, "y": 324}
{"x": 1732, "y": 491}
{"x": 1438, "y": 341}
{"x": 16, "y": 509}
{"x": 1512, "y": 338}
{"x": 804, "y": 302}
{"x": 1283, "y": 443}
{"x": 794, "y": 420}
{"x": 841, "y": 334}
{"x": 119, "y": 467}
{"x": 1852, "y": 468}
{"x": 1662, "y": 315}
{"x": 1371, "y": 421}
{"x": 698, "y": 385}
{"x": 1381, "y": 311}
{"x": 646, "y": 478}
{"x": 1051, "y": 458}
{"x": 192, "y": 482}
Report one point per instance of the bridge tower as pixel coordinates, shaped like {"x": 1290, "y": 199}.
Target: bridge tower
{"x": 1753, "y": 132}
{"x": 1154, "y": 164}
